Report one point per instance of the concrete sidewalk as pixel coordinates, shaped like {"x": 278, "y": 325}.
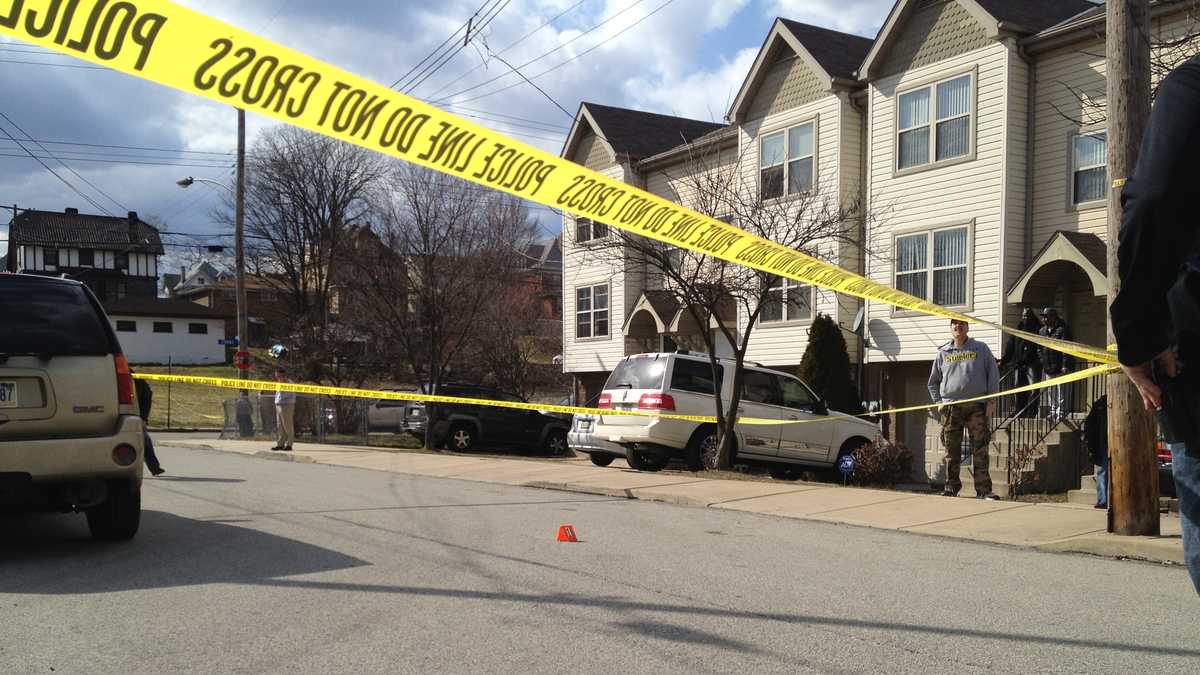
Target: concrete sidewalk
{"x": 1048, "y": 527}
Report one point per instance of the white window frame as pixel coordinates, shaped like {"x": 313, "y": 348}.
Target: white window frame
{"x": 932, "y": 85}
{"x": 591, "y": 312}
{"x": 1091, "y": 203}
{"x": 785, "y": 287}
{"x": 597, "y": 231}
{"x": 786, "y": 161}
{"x": 930, "y": 268}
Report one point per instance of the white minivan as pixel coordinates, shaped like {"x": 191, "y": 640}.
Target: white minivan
{"x": 684, "y": 383}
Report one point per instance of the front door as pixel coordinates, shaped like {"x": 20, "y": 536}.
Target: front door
{"x": 810, "y": 439}
{"x": 760, "y": 399}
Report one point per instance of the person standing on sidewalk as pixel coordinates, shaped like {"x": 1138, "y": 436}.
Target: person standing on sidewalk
{"x": 1055, "y": 363}
{"x": 1095, "y": 434}
{"x": 964, "y": 369}
{"x": 1156, "y": 314}
{"x": 285, "y": 413}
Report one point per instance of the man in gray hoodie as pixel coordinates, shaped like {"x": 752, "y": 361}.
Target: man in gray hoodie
{"x": 965, "y": 368}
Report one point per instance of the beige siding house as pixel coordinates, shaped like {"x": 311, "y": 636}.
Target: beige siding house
{"x": 973, "y": 133}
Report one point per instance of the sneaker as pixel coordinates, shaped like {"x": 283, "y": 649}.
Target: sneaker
{"x": 949, "y": 493}
{"x": 989, "y": 496}
{"x": 1100, "y": 506}
{"x": 157, "y": 472}
{"x": 287, "y": 449}
{"x": 277, "y": 447}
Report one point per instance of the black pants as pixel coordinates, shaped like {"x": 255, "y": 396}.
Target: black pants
{"x": 151, "y": 458}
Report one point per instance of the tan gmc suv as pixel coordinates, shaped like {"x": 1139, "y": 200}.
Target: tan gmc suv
{"x": 70, "y": 435}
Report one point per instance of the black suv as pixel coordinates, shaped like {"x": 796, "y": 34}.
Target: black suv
{"x": 461, "y": 427}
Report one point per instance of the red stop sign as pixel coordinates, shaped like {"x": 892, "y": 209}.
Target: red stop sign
{"x": 241, "y": 360}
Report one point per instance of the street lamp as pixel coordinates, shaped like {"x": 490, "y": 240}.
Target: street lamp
{"x": 243, "y": 332}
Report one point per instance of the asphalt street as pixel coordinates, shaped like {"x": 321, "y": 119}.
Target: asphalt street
{"x": 250, "y": 565}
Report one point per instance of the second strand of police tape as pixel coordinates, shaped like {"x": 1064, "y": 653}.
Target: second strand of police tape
{"x": 348, "y": 392}
{"x": 166, "y": 43}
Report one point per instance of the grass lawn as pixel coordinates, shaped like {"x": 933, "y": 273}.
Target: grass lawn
{"x": 191, "y": 405}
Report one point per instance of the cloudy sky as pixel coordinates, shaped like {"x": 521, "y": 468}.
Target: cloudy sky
{"x": 681, "y": 57}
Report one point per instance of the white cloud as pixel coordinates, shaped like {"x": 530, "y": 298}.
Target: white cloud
{"x": 703, "y": 95}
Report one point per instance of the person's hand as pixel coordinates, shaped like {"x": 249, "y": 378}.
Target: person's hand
{"x": 991, "y": 407}
{"x": 1144, "y": 380}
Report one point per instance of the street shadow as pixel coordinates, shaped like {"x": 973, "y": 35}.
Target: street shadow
{"x": 197, "y": 479}
{"x": 673, "y": 633}
{"x": 55, "y": 555}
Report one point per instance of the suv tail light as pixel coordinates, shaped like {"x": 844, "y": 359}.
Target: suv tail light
{"x": 656, "y": 401}
{"x": 1163, "y": 452}
{"x": 124, "y": 380}
{"x": 605, "y": 401}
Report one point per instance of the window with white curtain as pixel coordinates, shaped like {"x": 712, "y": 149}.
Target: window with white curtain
{"x": 1089, "y": 167}
{"x": 786, "y": 300}
{"x": 933, "y": 265}
{"x": 934, "y": 122}
{"x": 786, "y": 161}
{"x": 591, "y": 311}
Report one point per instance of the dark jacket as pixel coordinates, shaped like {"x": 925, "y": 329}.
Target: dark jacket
{"x": 1022, "y": 353}
{"x": 145, "y": 396}
{"x": 1054, "y": 361}
{"x": 1095, "y": 430}
{"x": 1159, "y": 225}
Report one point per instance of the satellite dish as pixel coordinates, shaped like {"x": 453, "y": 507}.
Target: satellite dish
{"x": 857, "y": 328}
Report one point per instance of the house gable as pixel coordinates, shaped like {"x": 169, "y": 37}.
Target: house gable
{"x": 788, "y": 83}
{"x": 935, "y": 30}
{"x": 591, "y": 152}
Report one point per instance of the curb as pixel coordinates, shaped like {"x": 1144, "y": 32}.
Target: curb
{"x": 1163, "y": 551}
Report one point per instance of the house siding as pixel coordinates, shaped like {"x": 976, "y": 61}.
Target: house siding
{"x": 592, "y": 154}
{"x": 784, "y": 344}
{"x": 936, "y": 31}
{"x": 1015, "y": 189}
{"x": 788, "y": 84}
{"x": 968, "y": 193}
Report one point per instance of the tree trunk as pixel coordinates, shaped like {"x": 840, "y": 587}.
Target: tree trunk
{"x": 1134, "y": 495}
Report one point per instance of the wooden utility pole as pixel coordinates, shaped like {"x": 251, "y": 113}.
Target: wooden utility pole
{"x": 1133, "y": 467}
{"x": 239, "y": 217}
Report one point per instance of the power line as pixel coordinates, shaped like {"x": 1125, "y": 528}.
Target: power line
{"x": 446, "y": 59}
{"x": 573, "y": 58}
{"x": 544, "y": 54}
{"x": 113, "y": 161}
{"x": 55, "y": 173}
{"x": 135, "y": 147}
{"x": 550, "y": 125}
{"x": 67, "y": 166}
{"x": 405, "y": 76}
{"x": 518, "y": 41}
{"x": 58, "y": 65}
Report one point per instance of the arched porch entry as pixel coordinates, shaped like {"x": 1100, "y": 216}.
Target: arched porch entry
{"x": 1069, "y": 274}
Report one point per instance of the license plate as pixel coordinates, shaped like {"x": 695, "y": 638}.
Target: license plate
{"x": 585, "y": 425}
{"x": 8, "y": 394}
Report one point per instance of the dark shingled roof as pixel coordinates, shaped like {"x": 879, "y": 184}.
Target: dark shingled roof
{"x": 665, "y": 304}
{"x": 642, "y": 134}
{"x": 1034, "y": 15}
{"x": 1091, "y": 246}
{"x": 840, "y": 54}
{"x": 82, "y": 230}
{"x": 181, "y": 309}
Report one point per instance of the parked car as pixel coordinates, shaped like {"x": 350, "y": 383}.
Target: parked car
{"x": 683, "y": 382}
{"x": 1166, "y": 471}
{"x": 583, "y": 438}
{"x": 388, "y": 414}
{"x": 70, "y": 434}
{"x": 462, "y": 427}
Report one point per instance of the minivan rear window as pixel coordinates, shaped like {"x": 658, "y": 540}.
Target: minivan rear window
{"x": 50, "y": 318}
{"x": 638, "y": 373}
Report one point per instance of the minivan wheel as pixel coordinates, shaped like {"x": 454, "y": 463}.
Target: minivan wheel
{"x": 645, "y": 462}
{"x": 703, "y": 444}
{"x": 601, "y": 458}
{"x": 461, "y": 438}
{"x": 118, "y": 516}
{"x": 556, "y": 443}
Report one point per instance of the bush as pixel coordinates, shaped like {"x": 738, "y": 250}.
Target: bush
{"x": 826, "y": 366}
{"x": 881, "y": 462}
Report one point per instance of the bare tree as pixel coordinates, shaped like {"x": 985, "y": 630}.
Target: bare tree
{"x": 454, "y": 245}
{"x": 723, "y": 300}
{"x": 305, "y": 194}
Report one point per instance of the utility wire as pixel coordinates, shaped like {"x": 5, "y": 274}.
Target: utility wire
{"x": 508, "y": 47}
{"x": 55, "y": 173}
{"x": 112, "y": 161}
{"x": 405, "y": 77}
{"x": 467, "y": 39}
{"x": 68, "y": 167}
{"x": 544, "y": 54}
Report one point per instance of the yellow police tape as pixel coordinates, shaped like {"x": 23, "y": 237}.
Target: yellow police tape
{"x": 165, "y": 43}
{"x": 350, "y": 392}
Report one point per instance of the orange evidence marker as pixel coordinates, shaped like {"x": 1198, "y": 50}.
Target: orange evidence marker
{"x": 566, "y": 533}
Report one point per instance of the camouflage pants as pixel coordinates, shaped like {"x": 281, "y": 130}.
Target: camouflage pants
{"x": 973, "y": 416}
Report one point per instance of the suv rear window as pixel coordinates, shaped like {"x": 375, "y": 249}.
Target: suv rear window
{"x": 695, "y": 376}
{"x": 638, "y": 373}
{"x": 51, "y": 318}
